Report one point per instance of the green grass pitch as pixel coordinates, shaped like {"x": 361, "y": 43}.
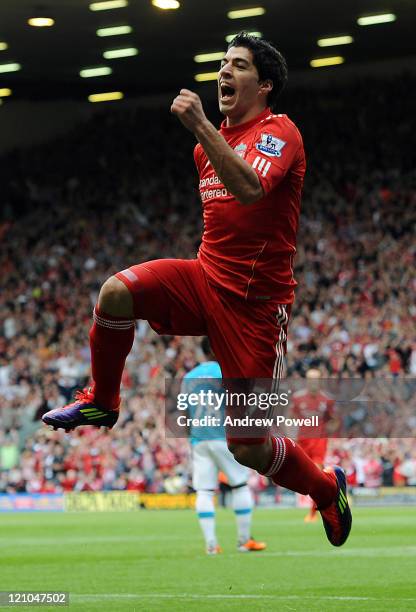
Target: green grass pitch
{"x": 155, "y": 560}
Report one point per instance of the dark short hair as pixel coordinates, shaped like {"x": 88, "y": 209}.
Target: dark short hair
{"x": 270, "y": 63}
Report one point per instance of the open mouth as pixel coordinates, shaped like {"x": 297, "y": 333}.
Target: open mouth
{"x": 227, "y": 92}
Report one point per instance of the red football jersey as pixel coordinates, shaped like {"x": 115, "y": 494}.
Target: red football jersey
{"x": 249, "y": 248}
{"x": 306, "y": 404}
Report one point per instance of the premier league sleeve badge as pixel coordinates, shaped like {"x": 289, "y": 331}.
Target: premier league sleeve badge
{"x": 270, "y": 145}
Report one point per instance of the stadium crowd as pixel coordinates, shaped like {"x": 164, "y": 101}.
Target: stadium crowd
{"x": 122, "y": 189}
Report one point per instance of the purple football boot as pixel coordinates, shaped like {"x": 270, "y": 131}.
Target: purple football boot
{"x": 83, "y": 411}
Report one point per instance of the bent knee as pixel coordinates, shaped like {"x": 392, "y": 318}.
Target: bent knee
{"x": 241, "y": 452}
{"x": 255, "y": 456}
{"x": 115, "y": 299}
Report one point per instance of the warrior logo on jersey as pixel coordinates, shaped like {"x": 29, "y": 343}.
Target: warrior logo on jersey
{"x": 270, "y": 145}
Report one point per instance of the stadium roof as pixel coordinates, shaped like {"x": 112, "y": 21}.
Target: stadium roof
{"x": 167, "y": 41}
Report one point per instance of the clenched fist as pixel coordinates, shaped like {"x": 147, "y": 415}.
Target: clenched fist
{"x": 187, "y": 107}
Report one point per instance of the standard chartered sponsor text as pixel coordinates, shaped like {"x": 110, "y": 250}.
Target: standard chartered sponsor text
{"x": 209, "y": 182}
{"x": 209, "y": 194}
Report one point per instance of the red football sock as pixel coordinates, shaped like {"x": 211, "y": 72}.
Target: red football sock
{"x": 290, "y": 467}
{"x": 111, "y": 339}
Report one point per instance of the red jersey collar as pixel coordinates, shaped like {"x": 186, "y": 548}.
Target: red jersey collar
{"x": 243, "y": 127}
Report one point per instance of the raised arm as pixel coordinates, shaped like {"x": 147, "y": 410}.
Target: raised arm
{"x": 236, "y": 174}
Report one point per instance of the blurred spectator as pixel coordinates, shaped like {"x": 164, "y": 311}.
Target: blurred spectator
{"x": 407, "y": 469}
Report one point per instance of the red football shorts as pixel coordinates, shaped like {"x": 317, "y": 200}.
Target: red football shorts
{"x": 175, "y": 297}
{"x": 315, "y": 448}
